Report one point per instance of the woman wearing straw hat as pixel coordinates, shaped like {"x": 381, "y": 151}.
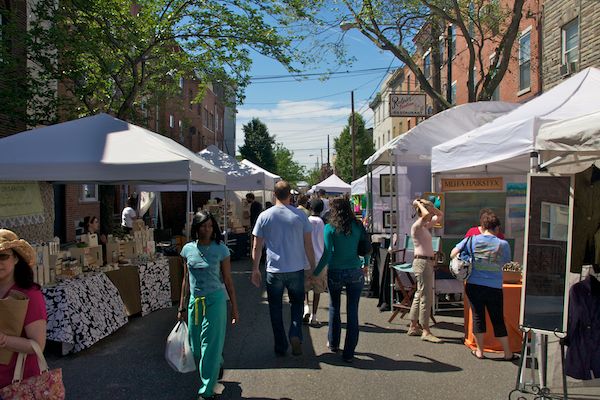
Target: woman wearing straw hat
{"x": 17, "y": 258}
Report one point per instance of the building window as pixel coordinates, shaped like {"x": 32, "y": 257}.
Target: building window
{"x": 427, "y": 64}
{"x": 570, "y": 42}
{"x": 554, "y": 222}
{"x": 408, "y": 83}
{"x": 192, "y": 130}
{"x": 171, "y": 121}
{"x": 206, "y": 117}
{"x": 525, "y": 60}
{"x": 442, "y": 45}
{"x": 453, "y": 92}
{"x": 191, "y": 98}
{"x": 199, "y": 109}
{"x": 408, "y": 124}
{"x": 89, "y": 193}
{"x": 181, "y": 81}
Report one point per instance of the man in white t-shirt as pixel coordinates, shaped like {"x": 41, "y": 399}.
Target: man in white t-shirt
{"x": 286, "y": 233}
{"x": 317, "y": 284}
{"x": 128, "y": 215}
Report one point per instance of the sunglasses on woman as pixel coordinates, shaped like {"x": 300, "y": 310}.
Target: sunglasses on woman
{"x": 5, "y": 256}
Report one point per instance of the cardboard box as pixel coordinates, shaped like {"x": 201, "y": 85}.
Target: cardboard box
{"x": 127, "y": 249}
{"x": 90, "y": 238}
{"x": 87, "y": 256}
{"x": 138, "y": 225}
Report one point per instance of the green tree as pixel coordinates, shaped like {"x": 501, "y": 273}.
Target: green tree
{"x": 258, "y": 145}
{"x": 407, "y": 28}
{"x": 287, "y": 168}
{"x": 313, "y": 176}
{"x": 343, "y": 148}
{"x": 114, "y": 55}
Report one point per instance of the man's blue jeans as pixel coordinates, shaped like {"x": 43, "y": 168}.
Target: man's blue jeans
{"x": 294, "y": 283}
{"x": 353, "y": 280}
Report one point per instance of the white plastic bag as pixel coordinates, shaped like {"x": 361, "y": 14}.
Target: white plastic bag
{"x": 178, "y": 352}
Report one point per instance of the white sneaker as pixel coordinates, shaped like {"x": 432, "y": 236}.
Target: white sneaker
{"x": 306, "y": 317}
{"x": 314, "y": 321}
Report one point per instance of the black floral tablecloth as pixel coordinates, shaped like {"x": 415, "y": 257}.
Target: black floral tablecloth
{"x": 155, "y": 285}
{"x": 82, "y": 311}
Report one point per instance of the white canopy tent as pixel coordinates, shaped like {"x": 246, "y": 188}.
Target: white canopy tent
{"x": 414, "y": 146}
{"x": 506, "y": 144}
{"x": 101, "y": 149}
{"x": 332, "y": 184}
{"x": 270, "y": 178}
{"x": 238, "y": 176}
{"x": 570, "y": 145}
{"x": 412, "y": 151}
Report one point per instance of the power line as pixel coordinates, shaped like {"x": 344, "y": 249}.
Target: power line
{"x": 318, "y": 74}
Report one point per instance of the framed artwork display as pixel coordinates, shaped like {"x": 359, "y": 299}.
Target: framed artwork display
{"x": 389, "y": 219}
{"x": 387, "y": 185}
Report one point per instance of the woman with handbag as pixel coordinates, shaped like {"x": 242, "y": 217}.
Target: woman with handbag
{"x": 206, "y": 260}
{"x": 484, "y": 284}
{"x": 17, "y": 259}
{"x": 345, "y": 269}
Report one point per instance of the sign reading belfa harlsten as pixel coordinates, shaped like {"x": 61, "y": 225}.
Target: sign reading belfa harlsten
{"x": 408, "y": 105}
{"x": 462, "y": 184}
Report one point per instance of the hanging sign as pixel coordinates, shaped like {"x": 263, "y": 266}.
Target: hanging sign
{"x": 462, "y": 184}
{"x": 408, "y": 105}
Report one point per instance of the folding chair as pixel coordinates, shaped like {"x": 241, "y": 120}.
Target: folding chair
{"x": 402, "y": 278}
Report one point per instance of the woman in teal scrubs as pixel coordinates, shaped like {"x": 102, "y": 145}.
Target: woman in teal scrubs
{"x": 207, "y": 267}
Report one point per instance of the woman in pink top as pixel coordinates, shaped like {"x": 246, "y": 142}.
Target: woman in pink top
{"x": 17, "y": 258}
{"x": 478, "y": 230}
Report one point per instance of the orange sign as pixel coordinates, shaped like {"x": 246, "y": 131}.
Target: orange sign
{"x": 463, "y": 184}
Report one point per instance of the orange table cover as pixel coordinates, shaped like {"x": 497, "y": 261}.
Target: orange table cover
{"x": 512, "y": 304}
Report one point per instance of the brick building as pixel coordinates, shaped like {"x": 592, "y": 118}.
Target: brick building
{"x": 570, "y": 37}
{"x": 521, "y": 82}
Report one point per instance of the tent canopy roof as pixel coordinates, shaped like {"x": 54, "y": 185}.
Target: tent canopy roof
{"x": 504, "y": 145}
{"x": 333, "y": 184}
{"x": 270, "y": 178}
{"x": 414, "y": 146}
{"x": 101, "y": 149}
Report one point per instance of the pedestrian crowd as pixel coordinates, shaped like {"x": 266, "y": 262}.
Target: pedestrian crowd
{"x": 312, "y": 247}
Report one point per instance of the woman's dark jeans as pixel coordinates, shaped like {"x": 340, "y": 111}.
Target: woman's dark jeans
{"x": 353, "y": 280}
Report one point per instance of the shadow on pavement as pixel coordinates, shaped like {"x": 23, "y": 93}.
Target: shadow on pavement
{"x": 371, "y": 361}
{"x": 233, "y": 391}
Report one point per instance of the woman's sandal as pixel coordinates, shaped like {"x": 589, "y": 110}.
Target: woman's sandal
{"x": 474, "y": 354}
{"x": 514, "y": 357}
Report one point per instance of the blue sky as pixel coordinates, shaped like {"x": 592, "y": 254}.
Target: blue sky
{"x": 302, "y": 113}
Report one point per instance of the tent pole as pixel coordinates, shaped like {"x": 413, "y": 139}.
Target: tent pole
{"x": 395, "y": 191}
{"x": 225, "y": 221}
{"x": 160, "y": 209}
{"x": 188, "y": 207}
{"x": 370, "y": 198}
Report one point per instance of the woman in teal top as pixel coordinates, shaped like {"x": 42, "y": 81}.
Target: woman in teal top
{"x": 207, "y": 267}
{"x": 342, "y": 235}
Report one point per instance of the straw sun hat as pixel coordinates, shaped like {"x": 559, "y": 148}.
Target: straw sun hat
{"x": 9, "y": 240}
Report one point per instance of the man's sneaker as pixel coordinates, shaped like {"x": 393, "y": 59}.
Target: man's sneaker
{"x": 428, "y": 337}
{"x": 296, "y": 346}
{"x": 314, "y": 321}
{"x": 414, "y": 332}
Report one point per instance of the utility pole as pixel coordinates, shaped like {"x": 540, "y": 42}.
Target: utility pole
{"x": 449, "y": 66}
{"x": 328, "y": 150}
{"x": 352, "y": 135}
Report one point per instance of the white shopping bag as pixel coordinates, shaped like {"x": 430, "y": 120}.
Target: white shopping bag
{"x": 178, "y": 352}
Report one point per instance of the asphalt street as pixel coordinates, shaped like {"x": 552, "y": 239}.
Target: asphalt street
{"x": 130, "y": 363}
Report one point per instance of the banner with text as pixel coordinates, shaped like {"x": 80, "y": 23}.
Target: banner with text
{"x": 408, "y": 105}
{"x": 20, "y": 204}
{"x": 464, "y": 184}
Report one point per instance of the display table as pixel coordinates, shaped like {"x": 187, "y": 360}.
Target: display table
{"x": 512, "y": 304}
{"x": 82, "y": 311}
{"x": 127, "y": 281}
{"x": 155, "y": 286}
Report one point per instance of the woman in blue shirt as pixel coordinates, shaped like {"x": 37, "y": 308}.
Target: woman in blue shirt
{"x": 207, "y": 267}
{"x": 342, "y": 235}
{"x": 484, "y": 285}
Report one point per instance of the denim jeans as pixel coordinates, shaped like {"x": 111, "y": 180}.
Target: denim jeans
{"x": 353, "y": 280}
{"x": 294, "y": 283}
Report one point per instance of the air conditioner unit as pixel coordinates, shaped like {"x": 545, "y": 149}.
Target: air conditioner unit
{"x": 573, "y": 67}
{"x": 563, "y": 70}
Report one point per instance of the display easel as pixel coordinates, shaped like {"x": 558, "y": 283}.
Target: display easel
{"x": 534, "y": 352}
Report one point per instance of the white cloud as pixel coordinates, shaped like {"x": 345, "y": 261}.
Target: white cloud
{"x": 302, "y": 126}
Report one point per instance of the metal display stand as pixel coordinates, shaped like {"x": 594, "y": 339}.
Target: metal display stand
{"x": 534, "y": 353}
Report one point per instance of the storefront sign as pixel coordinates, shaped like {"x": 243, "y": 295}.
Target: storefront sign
{"x": 20, "y": 204}
{"x": 408, "y": 105}
{"x": 463, "y": 184}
